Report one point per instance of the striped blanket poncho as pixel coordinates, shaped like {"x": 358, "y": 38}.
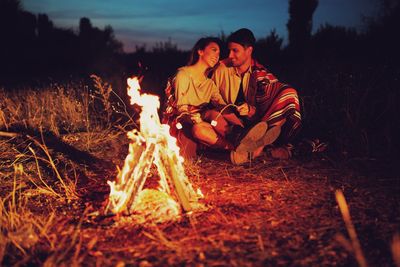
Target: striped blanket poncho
{"x": 274, "y": 101}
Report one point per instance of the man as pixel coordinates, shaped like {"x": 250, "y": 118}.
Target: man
{"x": 258, "y": 97}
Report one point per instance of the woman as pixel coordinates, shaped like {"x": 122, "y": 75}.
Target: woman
{"x": 194, "y": 92}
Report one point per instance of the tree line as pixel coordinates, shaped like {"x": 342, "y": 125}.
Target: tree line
{"x": 32, "y": 46}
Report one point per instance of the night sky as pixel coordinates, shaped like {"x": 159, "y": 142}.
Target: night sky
{"x": 146, "y": 22}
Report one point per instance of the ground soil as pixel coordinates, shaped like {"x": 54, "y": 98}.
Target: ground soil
{"x": 265, "y": 213}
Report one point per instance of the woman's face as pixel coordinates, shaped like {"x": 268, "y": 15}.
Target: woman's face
{"x": 210, "y": 54}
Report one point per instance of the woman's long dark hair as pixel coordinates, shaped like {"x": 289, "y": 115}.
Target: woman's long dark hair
{"x": 201, "y": 44}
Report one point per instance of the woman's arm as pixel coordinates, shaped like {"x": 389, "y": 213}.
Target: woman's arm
{"x": 216, "y": 97}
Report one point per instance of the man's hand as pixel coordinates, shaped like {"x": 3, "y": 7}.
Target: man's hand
{"x": 246, "y": 110}
{"x": 243, "y": 109}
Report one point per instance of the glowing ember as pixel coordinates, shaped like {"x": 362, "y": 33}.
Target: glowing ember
{"x": 156, "y": 206}
{"x": 153, "y": 144}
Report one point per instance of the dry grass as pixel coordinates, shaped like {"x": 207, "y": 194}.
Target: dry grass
{"x": 62, "y": 109}
{"x": 21, "y": 229}
{"x": 68, "y": 186}
{"x": 355, "y": 243}
{"x": 104, "y": 92}
{"x": 30, "y": 222}
{"x": 35, "y": 180}
{"x": 23, "y": 232}
{"x": 274, "y": 213}
{"x": 52, "y": 109}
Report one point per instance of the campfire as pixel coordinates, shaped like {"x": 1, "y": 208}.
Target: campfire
{"x": 151, "y": 146}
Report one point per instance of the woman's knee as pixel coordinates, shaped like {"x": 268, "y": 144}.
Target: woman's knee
{"x": 201, "y": 130}
{"x": 210, "y": 114}
{"x": 222, "y": 126}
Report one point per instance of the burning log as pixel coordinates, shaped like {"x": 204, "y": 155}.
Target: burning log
{"x": 131, "y": 179}
{"x": 166, "y": 165}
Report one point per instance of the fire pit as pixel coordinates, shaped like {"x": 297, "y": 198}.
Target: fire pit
{"x": 152, "y": 146}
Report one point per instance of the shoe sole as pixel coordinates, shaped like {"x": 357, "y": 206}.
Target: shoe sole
{"x": 268, "y": 138}
{"x": 255, "y": 134}
{"x": 238, "y": 158}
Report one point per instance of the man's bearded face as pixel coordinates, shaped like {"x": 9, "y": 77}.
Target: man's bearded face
{"x": 238, "y": 54}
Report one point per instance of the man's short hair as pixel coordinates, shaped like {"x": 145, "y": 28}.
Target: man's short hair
{"x": 243, "y": 36}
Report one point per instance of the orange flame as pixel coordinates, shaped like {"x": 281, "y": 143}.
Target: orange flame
{"x": 151, "y": 145}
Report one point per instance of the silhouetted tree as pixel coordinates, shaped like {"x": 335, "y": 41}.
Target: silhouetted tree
{"x": 10, "y": 11}
{"x": 44, "y": 26}
{"x": 268, "y": 50}
{"x": 88, "y": 42}
{"x": 165, "y": 47}
{"x": 97, "y": 47}
{"x": 85, "y": 27}
{"x": 112, "y": 44}
{"x": 18, "y": 34}
{"x": 98, "y": 41}
{"x": 335, "y": 42}
{"x": 381, "y": 36}
{"x": 300, "y": 23}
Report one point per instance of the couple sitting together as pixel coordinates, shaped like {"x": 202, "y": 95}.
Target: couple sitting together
{"x": 234, "y": 104}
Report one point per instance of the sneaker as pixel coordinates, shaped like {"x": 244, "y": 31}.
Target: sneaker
{"x": 281, "y": 152}
{"x": 256, "y": 133}
{"x": 238, "y": 158}
{"x": 268, "y": 138}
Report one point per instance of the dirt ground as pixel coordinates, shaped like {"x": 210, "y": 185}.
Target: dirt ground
{"x": 266, "y": 213}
